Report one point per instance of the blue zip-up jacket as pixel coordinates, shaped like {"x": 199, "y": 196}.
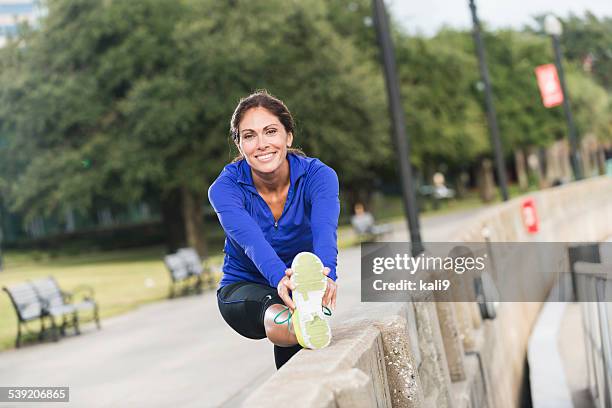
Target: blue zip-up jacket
{"x": 259, "y": 249}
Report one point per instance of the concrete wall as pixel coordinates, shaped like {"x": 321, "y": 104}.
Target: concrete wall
{"x": 428, "y": 354}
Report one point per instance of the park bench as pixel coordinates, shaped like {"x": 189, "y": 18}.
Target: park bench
{"x": 43, "y": 300}
{"x": 28, "y": 307}
{"x": 187, "y": 270}
{"x": 183, "y": 274}
{"x": 60, "y": 304}
{"x": 196, "y": 266}
{"x": 367, "y": 230}
{"x": 435, "y": 195}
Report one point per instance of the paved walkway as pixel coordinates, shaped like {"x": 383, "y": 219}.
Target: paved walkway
{"x": 174, "y": 353}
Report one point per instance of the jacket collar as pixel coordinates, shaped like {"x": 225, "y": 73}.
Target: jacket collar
{"x": 296, "y": 170}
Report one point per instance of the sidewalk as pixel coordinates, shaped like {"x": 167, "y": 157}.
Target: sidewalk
{"x": 174, "y": 353}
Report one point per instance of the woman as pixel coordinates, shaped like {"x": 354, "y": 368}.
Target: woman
{"x": 279, "y": 210}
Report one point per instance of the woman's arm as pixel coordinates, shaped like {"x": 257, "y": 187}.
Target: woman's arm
{"x": 238, "y": 224}
{"x": 323, "y": 193}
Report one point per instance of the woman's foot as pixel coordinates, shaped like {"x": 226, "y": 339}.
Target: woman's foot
{"x": 309, "y": 322}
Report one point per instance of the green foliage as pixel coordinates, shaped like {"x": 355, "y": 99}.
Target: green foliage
{"x": 523, "y": 120}
{"x": 591, "y": 105}
{"x": 443, "y": 118}
{"x": 117, "y": 100}
{"x": 590, "y": 38}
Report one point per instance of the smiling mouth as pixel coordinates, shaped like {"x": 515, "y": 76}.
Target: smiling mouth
{"x": 265, "y": 157}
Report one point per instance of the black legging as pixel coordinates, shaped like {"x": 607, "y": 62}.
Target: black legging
{"x": 283, "y": 354}
{"x": 243, "y": 306}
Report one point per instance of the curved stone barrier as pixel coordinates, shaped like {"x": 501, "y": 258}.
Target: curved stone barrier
{"x": 442, "y": 354}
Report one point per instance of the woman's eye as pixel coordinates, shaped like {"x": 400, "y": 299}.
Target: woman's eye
{"x": 271, "y": 131}
{"x": 248, "y": 136}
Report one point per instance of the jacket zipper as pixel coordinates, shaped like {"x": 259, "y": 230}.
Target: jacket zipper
{"x": 289, "y": 196}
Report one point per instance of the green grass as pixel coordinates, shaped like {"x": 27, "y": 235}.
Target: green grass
{"x": 117, "y": 277}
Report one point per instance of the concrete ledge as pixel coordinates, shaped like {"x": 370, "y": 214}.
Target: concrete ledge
{"x": 325, "y": 377}
{"x": 470, "y": 392}
{"x": 369, "y": 363}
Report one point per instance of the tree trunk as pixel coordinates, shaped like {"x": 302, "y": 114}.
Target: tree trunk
{"x": 601, "y": 160}
{"x": 521, "y": 173}
{"x": 172, "y": 219}
{"x": 585, "y": 155}
{"x": 193, "y": 217}
{"x": 565, "y": 160}
{"x": 486, "y": 181}
{"x": 461, "y": 184}
{"x": 554, "y": 164}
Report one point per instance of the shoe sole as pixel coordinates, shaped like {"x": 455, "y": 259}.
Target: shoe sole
{"x": 310, "y": 325}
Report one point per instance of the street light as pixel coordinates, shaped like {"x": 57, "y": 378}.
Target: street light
{"x": 491, "y": 115}
{"x": 398, "y": 121}
{"x": 553, "y": 27}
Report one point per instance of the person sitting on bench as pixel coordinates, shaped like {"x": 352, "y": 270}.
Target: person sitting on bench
{"x": 364, "y": 225}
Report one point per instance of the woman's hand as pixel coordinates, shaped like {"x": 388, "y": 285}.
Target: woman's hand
{"x": 285, "y": 285}
{"x": 329, "y": 297}
{"x": 283, "y": 288}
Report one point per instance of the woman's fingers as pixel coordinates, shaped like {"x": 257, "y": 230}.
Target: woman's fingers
{"x": 331, "y": 295}
{"x": 326, "y": 296}
{"x": 288, "y": 274}
{"x": 333, "y": 304}
{"x": 283, "y": 292}
{"x": 284, "y": 295}
{"x": 324, "y": 300}
{"x": 329, "y": 298}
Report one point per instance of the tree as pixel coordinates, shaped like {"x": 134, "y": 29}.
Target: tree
{"x": 586, "y": 41}
{"x": 444, "y": 119}
{"x": 120, "y": 100}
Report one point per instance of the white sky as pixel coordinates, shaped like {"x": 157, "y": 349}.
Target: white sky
{"x": 427, "y": 16}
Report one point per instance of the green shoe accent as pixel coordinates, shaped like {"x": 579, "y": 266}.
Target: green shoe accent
{"x": 318, "y": 332}
{"x": 310, "y": 326}
{"x": 287, "y": 320}
{"x": 326, "y": 311}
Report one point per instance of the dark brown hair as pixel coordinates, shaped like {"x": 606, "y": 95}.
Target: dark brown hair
{"x": 262, "y": 99}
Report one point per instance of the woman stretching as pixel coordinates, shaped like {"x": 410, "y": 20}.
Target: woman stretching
{"x": 279, "y": 210}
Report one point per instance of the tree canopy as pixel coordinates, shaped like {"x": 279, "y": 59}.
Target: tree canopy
{"x": 119, "y": 101}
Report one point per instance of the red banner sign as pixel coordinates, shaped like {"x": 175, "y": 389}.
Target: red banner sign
{"x": 550, "y": 87}
{"x": 530, "y": 216}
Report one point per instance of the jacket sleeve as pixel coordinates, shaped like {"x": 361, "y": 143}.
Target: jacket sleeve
{"x": 228, "y": 202}
{"x": 323, "y": 193}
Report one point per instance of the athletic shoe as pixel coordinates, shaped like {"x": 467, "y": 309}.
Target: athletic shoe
{"x": 309, "y": 323}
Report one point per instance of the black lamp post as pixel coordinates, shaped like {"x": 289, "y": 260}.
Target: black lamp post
{"x": 400, "y": 138}
{"x": 491, "y": 114}
{"x": 552, "y": 27}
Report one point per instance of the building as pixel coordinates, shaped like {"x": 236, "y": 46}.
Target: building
{"x": 14, "y": 12}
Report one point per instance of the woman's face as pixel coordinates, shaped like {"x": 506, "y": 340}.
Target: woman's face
{"x": 263, "y": 140}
